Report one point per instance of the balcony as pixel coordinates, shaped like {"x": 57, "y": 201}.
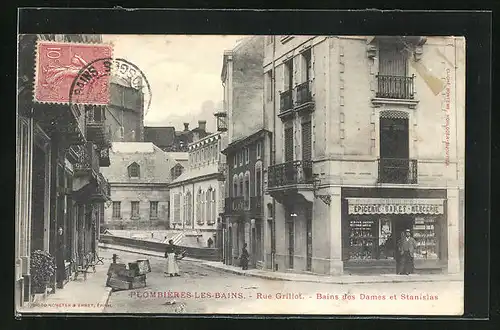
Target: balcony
{"x": 104, "y": 157}
{"x": 88, "y": 160}
{"x": 290, "y": 174}
{"x": 397, "y": 171}
{"x": 97, "y": 130}
{"x": 235, "y": 205}
{"x": 395, "y": 90}
{"x": 101, "y": 191}
{"x": 286, "y": 103}
{"x": 304, "y": 97}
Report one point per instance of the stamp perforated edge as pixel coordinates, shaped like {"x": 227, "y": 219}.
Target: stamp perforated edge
{"x": 35, "y": 76}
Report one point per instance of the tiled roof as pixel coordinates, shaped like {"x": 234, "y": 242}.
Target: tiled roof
{"x": 178, "y": 156}
{"x": 160, "y": 136}
{"x": 154, "y": 163}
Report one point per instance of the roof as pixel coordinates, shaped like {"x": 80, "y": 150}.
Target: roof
{"x": 178, "y": 156}
{"x": 160, "y": 136}
{"x": 133, "y": 147}
{"x": 196, "y": 173}
{"x": 245, "y": 140}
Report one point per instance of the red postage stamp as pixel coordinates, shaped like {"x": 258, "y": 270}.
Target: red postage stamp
{"x": 72, "y": 73}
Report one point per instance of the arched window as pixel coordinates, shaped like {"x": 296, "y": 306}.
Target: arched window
{"x": 208, "y": 205}
{"x": 188, "y": 208}
{"x": 241, "y": 189}
{"x": 258, "y": 179}
{"x": 199, "y": 215}
{"x": 247, "y": 190}
{"x": 134, "y": 170}
{"x": 235, "y": 186}
{"x": 214, "y": 207}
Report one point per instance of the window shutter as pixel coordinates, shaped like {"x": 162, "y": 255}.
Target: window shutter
{"x": 306, "y": 141}
{"x": 289, "y": 144}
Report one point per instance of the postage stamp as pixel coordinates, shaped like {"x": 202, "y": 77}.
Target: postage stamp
{"x": 57, "y": 66}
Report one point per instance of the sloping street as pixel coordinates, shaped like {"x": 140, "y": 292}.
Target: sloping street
{"x": 200, "y": 289}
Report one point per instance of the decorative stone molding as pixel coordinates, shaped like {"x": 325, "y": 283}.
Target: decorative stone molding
{"x": 418, "y": 52}
{"x": 327, "y": 199}
{"x": 378, "y": 102}
{"x": 371, "y": 51}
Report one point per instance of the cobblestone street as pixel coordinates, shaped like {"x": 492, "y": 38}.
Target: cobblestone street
{"x": 204, "y": 290}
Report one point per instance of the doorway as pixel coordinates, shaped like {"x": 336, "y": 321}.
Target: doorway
{"x": 309, "y": 238}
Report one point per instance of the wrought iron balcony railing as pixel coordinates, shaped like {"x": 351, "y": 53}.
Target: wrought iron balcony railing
{"x": 102, "y": 191}
{"x": 286, "y": 102}
{"x": 396, "y": 170}
{"x": 97, "y": 130}
{"x": 104, "y": 160}
{"x": 290, "y": 173}
{"x": 241, "y": 204}
{"x": 88, "y": 159}
{"x": 303, "y": 93}
{"x": 395, "y": 87}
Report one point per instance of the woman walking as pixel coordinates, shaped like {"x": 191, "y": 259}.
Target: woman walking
{"x": 170, "y": 253}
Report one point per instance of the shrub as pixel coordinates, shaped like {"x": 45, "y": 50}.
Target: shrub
{"x": 42, "y": 268}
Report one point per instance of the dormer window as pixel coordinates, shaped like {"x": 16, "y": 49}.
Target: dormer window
{"x": 134, "y": 170}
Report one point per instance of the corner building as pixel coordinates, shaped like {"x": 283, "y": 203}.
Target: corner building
{"x": 369, "y": 141}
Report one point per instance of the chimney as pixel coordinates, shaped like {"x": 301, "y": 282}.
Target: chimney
{"x": 202, "y": 125}
{"x": 186, "y": 127}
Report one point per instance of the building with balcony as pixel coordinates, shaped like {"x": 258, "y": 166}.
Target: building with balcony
{"x": 197, "y": 195}
{"x": 139, "y": 176}
{"x": 369, "y": 141}
{"x": 246, "y": 207}
{"x": 58, "y": 179}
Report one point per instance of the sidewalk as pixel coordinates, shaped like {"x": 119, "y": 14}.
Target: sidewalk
{"x": 78, "y": 296}
{"x": 280, "y": 276}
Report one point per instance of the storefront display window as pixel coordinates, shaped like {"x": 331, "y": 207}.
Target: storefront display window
{"x": 424, "y": 232}
{"x": 362, "y": 238}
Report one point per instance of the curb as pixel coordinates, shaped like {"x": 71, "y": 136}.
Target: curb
{"x": 274, "y": 278}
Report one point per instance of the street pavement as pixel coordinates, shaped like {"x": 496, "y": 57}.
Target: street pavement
{"x": 204, "y": 290}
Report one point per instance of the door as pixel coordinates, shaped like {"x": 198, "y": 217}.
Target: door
{"x": 309, "y": 238}
{"x": 394, "y": 150}
{"x": 307, "y": 149}
{"x": 254, "y": 248}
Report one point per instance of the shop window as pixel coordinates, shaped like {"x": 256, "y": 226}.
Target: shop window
{"x": 424, "y": 232}
{"x": 177, "y": 208}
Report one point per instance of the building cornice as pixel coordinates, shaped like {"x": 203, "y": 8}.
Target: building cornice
{"x": 201, "y": 178}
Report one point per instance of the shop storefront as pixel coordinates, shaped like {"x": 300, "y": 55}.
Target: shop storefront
{"x": 373, "y": 226}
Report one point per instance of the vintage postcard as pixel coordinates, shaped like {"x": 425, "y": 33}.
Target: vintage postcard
{"x": 240, "y": 174}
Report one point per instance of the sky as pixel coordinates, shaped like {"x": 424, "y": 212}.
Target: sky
{"x": 183, "y": 72}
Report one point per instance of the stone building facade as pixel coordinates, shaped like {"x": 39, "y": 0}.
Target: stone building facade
{"x": 139, "y": 178}
{"x": 197, "y": 195}
{"x": 369, "y": 141}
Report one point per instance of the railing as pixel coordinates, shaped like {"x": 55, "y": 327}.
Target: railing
{"x": 286, "y": 101}
{"x": 240, "y": 204}
{"x": 290, "y": 173}
{"x": 395, "y": 87}
{"x": 97, "y": 130}
{"x": 104, "y": 188}
{"x": 399, "y": 171}
{"x": 303, "y": 93}
{"x": 88, "y": 159}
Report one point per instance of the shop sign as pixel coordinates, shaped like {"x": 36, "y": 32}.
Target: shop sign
{"x": 395, "y": 206}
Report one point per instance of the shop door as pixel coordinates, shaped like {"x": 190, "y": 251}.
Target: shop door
{"x": 229, "y": 246}
{"x": 400, "y": 223}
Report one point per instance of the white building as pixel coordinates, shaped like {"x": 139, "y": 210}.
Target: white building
{"x": 197, "y": 195}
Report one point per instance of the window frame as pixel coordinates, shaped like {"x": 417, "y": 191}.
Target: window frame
{"x": 132, "y": 215}
{"x": 113, "y": 213}
{"x": 151, "y": 215}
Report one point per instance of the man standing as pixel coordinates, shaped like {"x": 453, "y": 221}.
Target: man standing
{"x": 407, "y": 249}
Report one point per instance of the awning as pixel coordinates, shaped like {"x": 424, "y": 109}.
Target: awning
{"x": 395, "y": 205}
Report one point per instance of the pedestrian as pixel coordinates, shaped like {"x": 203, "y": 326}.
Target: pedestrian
{"x": 170, "y": 254}
{"x": 210, "y": 242}
{"x": 407, "y": 249}
{"x": 244, "y": 257}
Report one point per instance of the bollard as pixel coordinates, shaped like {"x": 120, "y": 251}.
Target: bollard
{"x": 114, "y": 258}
